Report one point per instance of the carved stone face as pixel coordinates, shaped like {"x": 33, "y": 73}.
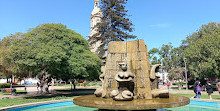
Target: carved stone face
{"x": 123, "y": 66}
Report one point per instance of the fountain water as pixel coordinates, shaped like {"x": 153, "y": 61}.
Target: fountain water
{"x": 128, "y": 83}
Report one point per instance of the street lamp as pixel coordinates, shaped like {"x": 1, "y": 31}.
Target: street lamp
{"x": 186, "y": 74}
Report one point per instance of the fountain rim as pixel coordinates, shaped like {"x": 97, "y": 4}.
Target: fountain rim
{"x": 123, "y": 106}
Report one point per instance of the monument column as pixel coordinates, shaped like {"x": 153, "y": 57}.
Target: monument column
{"x": 95, "y": 18}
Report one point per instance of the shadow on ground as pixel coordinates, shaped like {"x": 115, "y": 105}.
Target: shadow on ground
{"x": 63, "y": 93}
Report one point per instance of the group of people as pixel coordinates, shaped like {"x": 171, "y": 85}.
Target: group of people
{"x": 198, "y": 89}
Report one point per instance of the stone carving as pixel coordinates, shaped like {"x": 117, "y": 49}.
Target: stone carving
{"x": 98, "y": 92}
{"x": 127, "y": 74}
{"x": 123, "y": 77}
{"x": 124, "y": 96}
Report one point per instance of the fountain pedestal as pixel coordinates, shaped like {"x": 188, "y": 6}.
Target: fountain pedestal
{"x": 128, "y": 82}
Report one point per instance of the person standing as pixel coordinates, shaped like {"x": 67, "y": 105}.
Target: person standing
{"x": 218, "y": 86}
{"x": 198, "y": 88}
{"x": 41, "y": 87}
{"x": 38, "y": 85}
{"x": 168, "y": 85}
{"x": 74, "y": 85}
{"x": 209, "y": 89}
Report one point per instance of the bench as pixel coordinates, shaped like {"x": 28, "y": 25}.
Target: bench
{"x": 9, "y": 90}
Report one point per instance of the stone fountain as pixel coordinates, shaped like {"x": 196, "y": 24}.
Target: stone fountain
{"x": 128, "y": 82}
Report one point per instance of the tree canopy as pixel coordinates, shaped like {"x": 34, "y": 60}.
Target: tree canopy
{"x": 114, "y": 26}
{"x": 202, "y": 50}
{"x": 50, "y": 49}
{"x": 168, "y": 56}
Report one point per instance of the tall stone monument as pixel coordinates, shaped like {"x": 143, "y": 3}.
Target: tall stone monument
{"x": 95, "y": 18}
{"x": 127, "y": 75}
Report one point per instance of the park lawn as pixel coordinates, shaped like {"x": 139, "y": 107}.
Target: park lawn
{"x": 203, "y": 96}
{"x": 18, "y": 92}
{"x": 25, "y": 99}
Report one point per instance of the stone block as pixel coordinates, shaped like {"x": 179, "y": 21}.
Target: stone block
{"x": 117, "y": 47}
{"x": 141, "y": 45}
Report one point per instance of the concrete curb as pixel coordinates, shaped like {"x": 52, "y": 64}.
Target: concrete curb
{"x": 33, "y": 104}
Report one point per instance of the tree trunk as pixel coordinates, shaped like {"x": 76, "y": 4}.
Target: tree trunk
{"x": 179, "y": 87}
{"x": 44, "y": 80}
{"x": 46, "y": 87}
{"x": 71, "y": 86}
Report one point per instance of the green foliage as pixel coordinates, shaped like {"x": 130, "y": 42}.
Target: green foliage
{"x": 76, "y": 83}
{"x": 5, "y": 85}
{"x": 54, "y": 49}
{"x": 153, "y": 56}
{"x": 168, "y": 56}
{"x": 85, "y": 83}
{"x": 114, "y": 26}
{"x": 93, "y": 83}
{"x": 203, "y": 51}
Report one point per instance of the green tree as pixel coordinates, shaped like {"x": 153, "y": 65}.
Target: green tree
{"x": 52, "y": 50}
{"x": 153, "y": 56}
{"x": 208, "y": 29}
{"x": 168, "y": 56}
{"x": 7, "y": 68}
{"x": 114, "y": 26}
{"x": 203, "y": 51}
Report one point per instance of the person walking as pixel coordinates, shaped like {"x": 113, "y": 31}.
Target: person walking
{"x": 218, "y": 86}
{"x": 209, "y": 89}
{"x": 195, "y": 88}
{"x": 198, "y": 88}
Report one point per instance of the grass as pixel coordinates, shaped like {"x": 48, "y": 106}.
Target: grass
{"x": 31, "y": 99}
{"x": 17, "y": 91}
{"x": 203, "y": 96}
{"x": 23, "y": 100}
{"x": 176, "y": 88}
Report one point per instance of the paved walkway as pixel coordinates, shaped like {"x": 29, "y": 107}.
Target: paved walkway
{"x": 34, "y": 91}
{"x": 189, "y": 91}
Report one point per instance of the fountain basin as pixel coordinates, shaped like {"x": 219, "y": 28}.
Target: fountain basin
{"x": 137, "y": 104}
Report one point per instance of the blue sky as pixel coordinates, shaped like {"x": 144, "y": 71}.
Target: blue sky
{"x": 157, "y": 22}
